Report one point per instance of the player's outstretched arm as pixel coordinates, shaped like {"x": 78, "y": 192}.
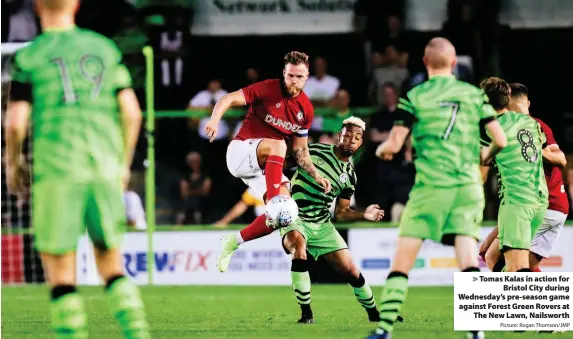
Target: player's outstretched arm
{"x": 239, "y": 209}
{"x": 131, "y": 122}
{"x": 498, "y": 141}
{"x": 16, "y": 125}
{"x": 553, "y": 155}
{"x": 302, "y": 156}
{"x": 233, "y": 99}
{"x": 343, "y": 212}
{"x": 394, "y": 143}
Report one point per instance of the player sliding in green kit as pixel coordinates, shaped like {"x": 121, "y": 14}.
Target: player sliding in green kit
{"x": 314, "y": 231}
{"x": 522, "y": 186}
{"x": 71, "y": 84}
{"x": 447, "y": 200}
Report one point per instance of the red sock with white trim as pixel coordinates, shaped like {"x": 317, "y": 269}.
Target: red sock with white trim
{"x": 274, "y": 175}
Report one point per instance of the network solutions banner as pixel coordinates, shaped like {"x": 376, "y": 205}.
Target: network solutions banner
{"x": 373, "y": 250}
{"x": 188, "y": 258}
{"x": 267, "y": 17}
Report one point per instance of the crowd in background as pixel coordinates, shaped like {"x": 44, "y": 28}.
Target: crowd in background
{"x": 193, "y": 185}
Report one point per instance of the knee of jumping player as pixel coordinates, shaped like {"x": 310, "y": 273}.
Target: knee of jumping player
{"x": 270, "y": 147}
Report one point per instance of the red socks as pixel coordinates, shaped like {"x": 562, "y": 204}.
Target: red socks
{"x": 273, "y": 178}
{"x": 536, "y": 269}
{"x": 274, "y": 175}
{"x": 257, "y": 229}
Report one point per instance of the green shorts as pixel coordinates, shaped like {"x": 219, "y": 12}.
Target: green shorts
{"x": 518, "y": 224}
{"x": 440, "y": 213}
{"x": 320, "y": 239}
{"x": 62, "y": 210}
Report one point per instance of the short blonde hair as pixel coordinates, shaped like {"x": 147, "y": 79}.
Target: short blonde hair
{"x": 355, "y": 122}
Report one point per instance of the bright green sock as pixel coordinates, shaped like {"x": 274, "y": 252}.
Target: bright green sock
{"x": 127, "y": 307}
{"x": 300, "y": 281}
{"x": 393, "y": 298}
{"x": 69, "y": 320}
{"x": 363, "y": 293}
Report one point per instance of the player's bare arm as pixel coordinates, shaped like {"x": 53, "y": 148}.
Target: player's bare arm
{"x": 394, "y": 143}
{"x": 484, "y": 170}
{"x": 343, "y": 212}
{"x": 302, "y": 157}
{"x": 131, "y": 123}
{"x": 233, "y": 99}
{"x": 16, "y": 125}
{"x": 488, "y": 240}
{"x": 498, "y": 141}
{"x": 553, "y": 155}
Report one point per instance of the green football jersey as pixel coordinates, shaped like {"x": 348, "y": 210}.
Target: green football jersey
{"x": 72, "y": 78}
{"x": 520, "y": 164}
{"x": 313, "y": 204}
{"x": 445, "y": 115}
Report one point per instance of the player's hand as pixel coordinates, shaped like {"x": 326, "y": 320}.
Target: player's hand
{"x": 373, "y": 213}
{"x": 380, "y": 153}
{"x": 18, "y": 177}
{"x": 211, "y": 129}
{"x": 324, "y": 183}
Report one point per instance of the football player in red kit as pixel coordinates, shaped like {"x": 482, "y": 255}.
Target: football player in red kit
{"x": 553, "y": 159}
{"x": 278, "y": 110}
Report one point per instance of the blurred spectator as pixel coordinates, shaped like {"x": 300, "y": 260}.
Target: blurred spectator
{"x": 371, "y": 21}
{"x": 389, "y": 68}
{"x": 22, "y": 24}
{"x": 394, "y": 35}
{"x": 321, "y": 87}
{"x": 395, "y": 178}
{"x": 206, "y": 100}
{"x": 194, "y": 189}
{"x": 252, "y": 76}
{"x": 332, "y": 123}
{"x": 463, "y": 31}
{"x": 247, "y": 200}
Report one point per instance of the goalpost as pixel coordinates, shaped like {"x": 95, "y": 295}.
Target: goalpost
{"x": 20, "y": 260}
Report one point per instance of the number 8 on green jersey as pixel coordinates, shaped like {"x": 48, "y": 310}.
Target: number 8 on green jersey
{"x": 71, "y": 78}
{"x": 522, "y": 186}
{"x": 444, "y": 115}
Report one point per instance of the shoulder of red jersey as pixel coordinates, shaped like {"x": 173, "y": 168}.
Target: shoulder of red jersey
{"x": 547, "y": 131}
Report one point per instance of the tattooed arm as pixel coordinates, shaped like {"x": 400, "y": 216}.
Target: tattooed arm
{"x": 302, "y": 156}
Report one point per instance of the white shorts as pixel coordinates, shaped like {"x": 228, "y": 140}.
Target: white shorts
{"x": 548, "y": 233}
{"x": 243, "y": 164}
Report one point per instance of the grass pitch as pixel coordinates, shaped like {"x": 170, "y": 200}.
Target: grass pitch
{"x": 243, "y": 312}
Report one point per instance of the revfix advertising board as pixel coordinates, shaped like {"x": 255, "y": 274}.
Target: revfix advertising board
{"x": 187, "y": 258}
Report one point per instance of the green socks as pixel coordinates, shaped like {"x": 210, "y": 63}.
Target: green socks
{"x": 393, "y": 298}
{"x": 363, "y": 292}
{"x": 69, "y": 320}
{"x": 126, "y": 305}
{"x": 301, "y": 282}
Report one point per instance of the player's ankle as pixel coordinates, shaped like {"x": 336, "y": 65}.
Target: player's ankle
{"x": 112, "y": 280}
{"x": 305, "y": 309}
{"x": 59, "y": 291}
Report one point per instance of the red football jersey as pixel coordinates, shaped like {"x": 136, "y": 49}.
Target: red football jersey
{"x": 273, "y": 114}
{"x": 557, "y": 196}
